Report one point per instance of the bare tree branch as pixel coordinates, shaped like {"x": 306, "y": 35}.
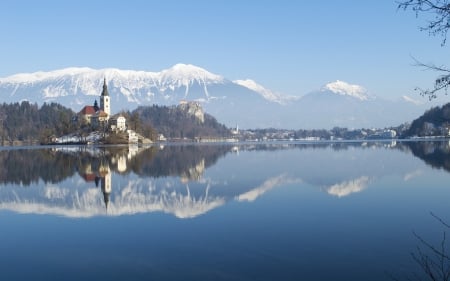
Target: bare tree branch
{"x": 441, "y": 83}
{"x": 430, "y": 66}
{"x": 440, "y": 220}
{"x": 436, "y": 251}
{"x": 439, "y": 24}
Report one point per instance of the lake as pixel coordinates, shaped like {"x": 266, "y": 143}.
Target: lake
{"x": 254, "y": 211}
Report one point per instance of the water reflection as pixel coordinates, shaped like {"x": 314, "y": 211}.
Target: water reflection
{"x": 189, "y": 180}
{"x": 346, "y": 188}
{"x": 268, "y": 185}
{"x": 434, "y": 153}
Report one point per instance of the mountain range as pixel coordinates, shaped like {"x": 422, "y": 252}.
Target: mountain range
{"x": 240, "y": 102}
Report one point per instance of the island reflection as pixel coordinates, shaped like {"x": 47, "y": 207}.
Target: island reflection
{"x": 91, "y": 181}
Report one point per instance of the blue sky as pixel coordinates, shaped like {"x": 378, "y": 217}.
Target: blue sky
{"x": 292, "y": 47}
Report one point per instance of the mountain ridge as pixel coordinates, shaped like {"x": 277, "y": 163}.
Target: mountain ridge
{"x": 243, "y": 102}
{"x": 345, "y": 89}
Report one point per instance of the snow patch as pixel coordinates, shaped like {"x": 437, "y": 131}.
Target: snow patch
{"x": 346, "y": 89}
{"x": 266, "y": 93}
{"x": 411, "y": 100}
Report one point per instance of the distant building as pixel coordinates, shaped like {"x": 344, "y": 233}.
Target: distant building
{"x": 86, "y": 113}
{"x": 235, "y": 131}
{"x": 118, "y": 123}
{"x": 105, "y": 102}
{"x": 132, "y": 136}
{"x": 161, "y": 137}
{"x": 96, "y": 115}
{"x": 100, "y": 116}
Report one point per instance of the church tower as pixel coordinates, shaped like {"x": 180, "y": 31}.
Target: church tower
{"x": 105, "y": 103}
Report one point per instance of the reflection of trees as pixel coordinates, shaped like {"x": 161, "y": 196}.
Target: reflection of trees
{"x": 336, "y": 146}
{"x": 178, "y": 160}
{"x": 27, "y": 166}
{"x": 184, "y": 160}
{"x": 434, "y": 153}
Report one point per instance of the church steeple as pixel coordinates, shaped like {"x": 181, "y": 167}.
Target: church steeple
{"x": 105, "y": 89}
{"x": 104, "y": 99}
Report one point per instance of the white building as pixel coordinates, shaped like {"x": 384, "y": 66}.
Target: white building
{"x": 132, "y": 136}
{"x": 118, "y": 124}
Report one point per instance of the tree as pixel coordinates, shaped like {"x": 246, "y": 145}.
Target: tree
{"x": 437, "y": 25}
{"x": 135, "y": 121}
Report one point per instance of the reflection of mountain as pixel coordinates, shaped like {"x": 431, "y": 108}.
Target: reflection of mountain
{"x": 269, "y": 184}
{"x": 181, "y": 200}
{"x": 184, "y": 200}
{"x": 101, "y": 185}
{"x": 138, "y": 196}
{"x": 348, "y": 187}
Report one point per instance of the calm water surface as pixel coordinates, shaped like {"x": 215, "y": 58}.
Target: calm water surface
{"x": 324, "y": 211}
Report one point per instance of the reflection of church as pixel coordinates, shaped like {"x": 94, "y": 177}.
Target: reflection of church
{"x": 105, "y": 178}
{"x": 98, "y": 169}
{"x": 101, "y": 175}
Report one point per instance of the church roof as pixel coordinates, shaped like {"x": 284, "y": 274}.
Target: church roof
{"x": 89, "y": 177}
{"x": 101, "y": 113}
{"x": 88, "y": 110}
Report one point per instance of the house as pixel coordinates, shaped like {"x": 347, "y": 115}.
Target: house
{"x": 118, "y": 123}
{"x": 132, "y": 136}
{"x": 99, "y": 118}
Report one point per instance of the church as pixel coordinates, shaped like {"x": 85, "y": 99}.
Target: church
{"x": 99, "y": 117}
{"x": 95, "y": 115}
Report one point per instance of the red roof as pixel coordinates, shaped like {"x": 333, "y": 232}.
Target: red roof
{"x": 88, "y": 110}
{"x": 101, "y": 113}
{"x": 89, "y": 177}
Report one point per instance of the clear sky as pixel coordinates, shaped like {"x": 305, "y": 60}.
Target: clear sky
{"x": 292, "y": 47}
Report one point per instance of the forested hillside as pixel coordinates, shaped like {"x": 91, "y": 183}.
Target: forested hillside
{"x": 434, "y": 122}
{"x": 27, "y": 122}
{"x": 176, "y": 122}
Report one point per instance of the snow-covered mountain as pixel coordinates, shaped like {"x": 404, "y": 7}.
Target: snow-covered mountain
{"x": 242, "y": 102}
{"x": 346, "y": 105}
{"x": 136, "y": 87}
{"x": 345, "y": 89}
{"x": 264, "y": 92}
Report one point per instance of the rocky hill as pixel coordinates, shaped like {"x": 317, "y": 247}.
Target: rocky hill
{"x": 185, "y": 121}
